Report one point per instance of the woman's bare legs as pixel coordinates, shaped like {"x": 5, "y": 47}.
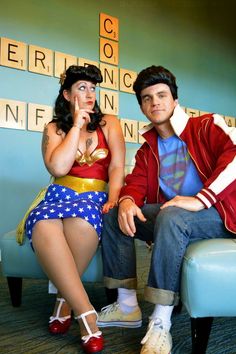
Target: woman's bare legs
{"x": 64, "y": 249}
{"x": 83, "y": 248}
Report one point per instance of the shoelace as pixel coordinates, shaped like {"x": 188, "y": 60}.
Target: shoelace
{"x": 110, "y": 308}
{"x": 158, "y": 326}
{"x": 86, "y": 338}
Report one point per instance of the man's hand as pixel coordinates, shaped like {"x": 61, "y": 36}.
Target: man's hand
{"x": 187, "y": 203}
{"x": 127, "y": 210}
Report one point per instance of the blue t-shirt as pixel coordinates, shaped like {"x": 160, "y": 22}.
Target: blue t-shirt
{"x": 178, "y": 174}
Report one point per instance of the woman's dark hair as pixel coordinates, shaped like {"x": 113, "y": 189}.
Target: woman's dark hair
{"x": 62, "y": 115}
{"x": 154, "y": 75}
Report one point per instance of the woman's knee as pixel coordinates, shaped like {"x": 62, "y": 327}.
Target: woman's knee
{"x": 46, "y": 227}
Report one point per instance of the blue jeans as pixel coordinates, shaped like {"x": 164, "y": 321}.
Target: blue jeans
{"x": 171, "y": 230}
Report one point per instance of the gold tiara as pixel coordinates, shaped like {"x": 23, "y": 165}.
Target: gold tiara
{"x": 62, "y": 78}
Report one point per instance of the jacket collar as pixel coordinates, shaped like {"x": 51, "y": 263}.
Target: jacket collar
{"x": 178, "y": 121}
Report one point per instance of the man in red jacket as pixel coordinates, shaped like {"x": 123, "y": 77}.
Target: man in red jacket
{"x": 182, "y": 189}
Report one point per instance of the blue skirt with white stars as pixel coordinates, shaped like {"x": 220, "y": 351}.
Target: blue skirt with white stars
{"x": 61, "y": 202}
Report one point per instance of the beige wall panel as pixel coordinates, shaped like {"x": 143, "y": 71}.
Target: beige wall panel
{"x": 86, "y": 62}
{"x": 40, "y": 60}
{"x": 192, "y": 112}
{"x": 13, "y": 54}
{"x": 62, "y": 62}
{"x": 110, "y": 76}
{"x": 140, "y": 126}
{"x": 38, "y": 116}
{"x": 130, "y": 130}
{"x": 231, "y": 121}
{"x": 109, "y": 102}
{"x": 127, "y": 79}
{"x": 109, "y": 51}
{"x": 12, "y": 114}
{"x": 109, "y": 27}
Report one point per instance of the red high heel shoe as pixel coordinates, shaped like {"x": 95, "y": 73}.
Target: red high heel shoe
{"x": 92, "y": 342}
{"x": 59, "y": 325}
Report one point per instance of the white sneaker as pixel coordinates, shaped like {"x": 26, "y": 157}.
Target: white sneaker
{"x": 157, "y": 339}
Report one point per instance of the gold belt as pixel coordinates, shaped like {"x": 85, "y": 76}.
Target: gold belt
{"x": 81, "y": 185}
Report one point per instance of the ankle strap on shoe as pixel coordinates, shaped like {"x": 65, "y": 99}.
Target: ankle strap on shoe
{"x": 61, "y": 300}
{"x": 82, "y": 317}
{"x": 58, "y": 317}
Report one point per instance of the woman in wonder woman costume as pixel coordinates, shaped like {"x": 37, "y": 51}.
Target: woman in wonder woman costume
{"x": 83, "y": 150}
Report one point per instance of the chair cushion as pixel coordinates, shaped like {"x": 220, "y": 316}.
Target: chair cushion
{"x": 20, "y": 261}
{"x": 208, "y": 285}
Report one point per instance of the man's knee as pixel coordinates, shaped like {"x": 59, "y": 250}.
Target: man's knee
{"x": 170, "y": 214}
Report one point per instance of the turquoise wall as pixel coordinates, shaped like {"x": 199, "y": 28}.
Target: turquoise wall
{"x": 194, "y": 39}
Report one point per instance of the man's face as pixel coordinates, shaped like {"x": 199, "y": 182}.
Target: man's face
{"x": 158, "y": 103}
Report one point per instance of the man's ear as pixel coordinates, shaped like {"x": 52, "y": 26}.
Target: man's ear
{"x": 176, "y": 102}
{"x": 66, "y": 95}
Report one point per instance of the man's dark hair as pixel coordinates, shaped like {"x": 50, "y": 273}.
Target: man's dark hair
{"x": 154, "y": 75}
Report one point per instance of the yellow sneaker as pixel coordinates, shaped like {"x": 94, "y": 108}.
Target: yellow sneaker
{"x": 112, "y": 316}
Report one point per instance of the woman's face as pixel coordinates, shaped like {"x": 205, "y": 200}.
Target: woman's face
{"x": 85, "y": 91}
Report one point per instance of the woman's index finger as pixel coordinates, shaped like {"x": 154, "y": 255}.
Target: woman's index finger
{"x": 76, "y": 103}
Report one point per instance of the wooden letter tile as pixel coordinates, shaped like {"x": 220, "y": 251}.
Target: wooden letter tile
{"x": 38, "y": 116}
{"x": 201, "y": 113}
{"x": 109, "y": 102}
{"x": 109, "y": 27}
{"x": 230, "y": 121}
{"x": 192, "y": 112}
{"x": 40, "y": 60}
{"x": 109, "y": 51}
{"x": 13, "y": 54}
{"x": 12, "y": 114}
{"x": 140, "y": 126}
{"x": 130, "y": 130}
{"x": 110, "y": 76}
{"x": 86, "y": 62}
{"x": 62, "y": 62}
{"x": 127, "y": 79}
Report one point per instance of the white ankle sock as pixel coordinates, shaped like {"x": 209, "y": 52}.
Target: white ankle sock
{"x": 163, "y": 312}
{"x": 127, "y": 299}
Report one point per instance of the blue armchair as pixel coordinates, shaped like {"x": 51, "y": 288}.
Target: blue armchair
{"x": 208, "y": 286}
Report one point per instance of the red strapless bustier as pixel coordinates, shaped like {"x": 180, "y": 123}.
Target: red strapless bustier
{"x": 96, "y": 164}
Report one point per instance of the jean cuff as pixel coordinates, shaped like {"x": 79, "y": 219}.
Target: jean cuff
{"x": 161, "y": 296}
{"x": 112, "y": 283}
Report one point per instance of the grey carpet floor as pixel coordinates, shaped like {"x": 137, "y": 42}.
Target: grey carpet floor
{"x": 23, "y": 330}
